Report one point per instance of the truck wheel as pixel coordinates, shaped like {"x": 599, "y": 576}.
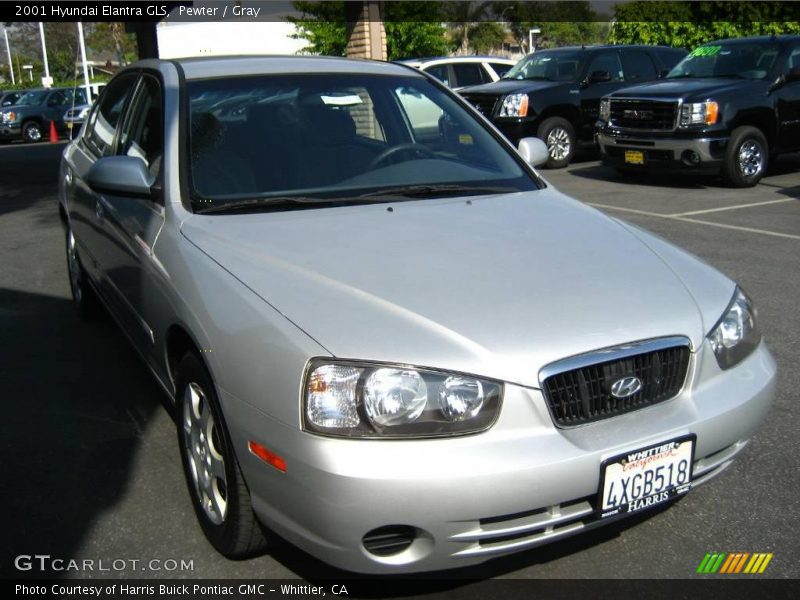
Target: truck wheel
{"x": 746, "y": 157}
{"x": 32, "y": 132}
{"x": 559, "y": 135}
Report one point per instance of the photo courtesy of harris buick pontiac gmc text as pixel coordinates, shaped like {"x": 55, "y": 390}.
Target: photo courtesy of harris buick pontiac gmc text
{"x": 385, "y": 337}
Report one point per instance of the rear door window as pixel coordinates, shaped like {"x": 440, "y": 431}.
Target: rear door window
{"x": 469, "y": 74}
{"x": 441, "y": 72}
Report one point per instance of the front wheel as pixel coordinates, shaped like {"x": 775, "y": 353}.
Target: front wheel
{"x": 559, "y": 136}
{"x": 746, "y": 157}
{"x": 32, "y": 132}
{"x": 219, "y": 495}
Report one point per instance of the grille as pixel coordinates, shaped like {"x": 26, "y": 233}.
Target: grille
{"x": 484, "y": 104}
{"x": 643, "y": 114}
{"x": 583, "y": 395}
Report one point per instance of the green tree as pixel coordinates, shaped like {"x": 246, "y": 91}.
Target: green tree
{"x": 689, "y": 24}
{"x": 110, "y": 38}
{"x": 409, "y": 30}
{"x": 561, "y": 23}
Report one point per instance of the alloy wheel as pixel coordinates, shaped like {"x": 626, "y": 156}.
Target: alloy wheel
{"x": 202, "y": 445}
{"x": 558, "y": 143}
{"x": 751, "y": 158}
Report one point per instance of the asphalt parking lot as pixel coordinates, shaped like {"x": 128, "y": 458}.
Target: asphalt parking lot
{"x": 90, "y": 462}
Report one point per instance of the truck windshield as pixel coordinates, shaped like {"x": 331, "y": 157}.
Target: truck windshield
{"x": 740, "y": 61}
{"x": 547, "y": 66}
{"x": 35, "y": 97}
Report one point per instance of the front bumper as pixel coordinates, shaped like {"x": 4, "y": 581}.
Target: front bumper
{"x": 10, "y": 132}
{"x": 521, "y": 484}
{"x": 662, "y": 153}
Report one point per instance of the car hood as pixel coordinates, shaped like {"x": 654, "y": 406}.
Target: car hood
{"x": 497, "y": 286}
{"x": 689, "y": 88}
{"x": 509, "y": 86}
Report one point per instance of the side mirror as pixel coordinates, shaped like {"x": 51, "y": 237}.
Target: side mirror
{"x": 534, "y": 151}
{"x": 122, "y": 176}
{"x": 599, "y": 77}
{"x": 663, "y": 73}
{"x": 793, "y": 75}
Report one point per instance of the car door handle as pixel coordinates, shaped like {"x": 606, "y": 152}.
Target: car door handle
{"x": 98, "y": 210}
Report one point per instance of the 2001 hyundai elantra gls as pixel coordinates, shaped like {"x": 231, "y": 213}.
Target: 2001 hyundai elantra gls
{"x": 387, "y": 339}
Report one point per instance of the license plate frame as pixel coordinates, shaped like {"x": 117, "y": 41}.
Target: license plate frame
{"x": 634, "y": 157}
{"x": 645, "y": 501}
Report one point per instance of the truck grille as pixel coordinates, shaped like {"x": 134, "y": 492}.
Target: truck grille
{"x": 647, "y": 115}
{"x": 484, "y": 103}
{"x": 583, "y": 395}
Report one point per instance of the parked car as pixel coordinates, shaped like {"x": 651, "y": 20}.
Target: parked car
{"x": 457, "y": 72}
{"x": 75, "y": 117}
{"x": 555, "y": 94}
{"x": 400, "y": 352}
{"x": 29, "y": 119}
{"x": 729, "y": 107}
{"x": 10, "y": 98}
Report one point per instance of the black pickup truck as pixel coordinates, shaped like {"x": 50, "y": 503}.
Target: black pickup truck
{"x": 555, "y": 94}
{"x": 730, "y": 106}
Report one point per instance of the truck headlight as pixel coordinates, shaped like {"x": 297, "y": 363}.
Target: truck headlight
{"x": 514, "y": 105}
{"x": 736, "y": 334}
{"x": 699, "y": 113}
{"x": 10, "y": 117}
{"x": 605, "y": 110}
{"x": 372, "y": 400}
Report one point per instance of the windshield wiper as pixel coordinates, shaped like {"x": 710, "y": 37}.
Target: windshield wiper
{"x": 264, "y": 204}
{"x": 437, "y": 190}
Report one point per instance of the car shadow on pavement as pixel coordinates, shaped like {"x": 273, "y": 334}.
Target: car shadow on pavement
{"x": 693, "y": 181}
{"x": 77, "y": 400}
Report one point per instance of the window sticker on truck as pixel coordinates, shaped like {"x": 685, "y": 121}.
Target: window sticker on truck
{"x": 706, "y": 51}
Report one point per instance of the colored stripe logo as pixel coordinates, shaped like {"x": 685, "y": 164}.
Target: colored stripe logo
{"x": 732, "y": 563}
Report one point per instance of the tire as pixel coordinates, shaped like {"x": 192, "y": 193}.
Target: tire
{"x": 216, "y": 486}
{"x": 83, "y": 295}
{"x": 32, "y": 132}
{"x": 559, "y": 135}
{"x": 746, "y": 157}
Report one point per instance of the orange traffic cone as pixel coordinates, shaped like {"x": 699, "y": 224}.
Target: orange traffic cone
{"x": 53, "y": 132}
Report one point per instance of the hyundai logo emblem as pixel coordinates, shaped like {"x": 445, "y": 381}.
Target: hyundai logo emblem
{"x": 627, "y": 386}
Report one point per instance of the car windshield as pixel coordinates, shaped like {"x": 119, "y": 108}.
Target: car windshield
{"x": 291, "y": 141}
{"x": 741, "y": 61}
{"x": 547, "y": 66}
{"x": 35, "y": 97}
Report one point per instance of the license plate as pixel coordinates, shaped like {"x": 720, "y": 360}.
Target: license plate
{"x": 645, "y": 477}
{"x": 634, "y": 157}
{"x": 69, "y": 125}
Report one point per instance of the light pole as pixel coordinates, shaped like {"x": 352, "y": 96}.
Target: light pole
{"x": 10, "y": 65}
{"x": 83, "y": 59}
{"x": 531, "y": 34}
{"x": 46, "y": 81}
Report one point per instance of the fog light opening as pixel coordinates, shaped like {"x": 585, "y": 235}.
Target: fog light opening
{"x": 389, "y": 540}
{"x": 690, "y": 158}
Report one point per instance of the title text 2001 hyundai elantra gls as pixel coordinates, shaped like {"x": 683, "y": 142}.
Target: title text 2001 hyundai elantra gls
{"x": 388, "y": 340}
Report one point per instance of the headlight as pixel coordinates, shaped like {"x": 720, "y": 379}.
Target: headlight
{"x": 515, "y": 105}
{"x": 355, "y": 399}
{"x": 605, "y": 109}
{"x": 736, "y": 334}
{"x": 82, "y": 115}
{"x": 9, "y": 117}
{"x": 699, "y": 113}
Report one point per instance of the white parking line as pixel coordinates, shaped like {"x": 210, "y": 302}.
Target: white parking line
{"x": 737, "y": 207}
{"x": 697, "y": 221}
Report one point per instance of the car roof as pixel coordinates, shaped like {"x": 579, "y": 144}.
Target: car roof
{"x": 225, "y": 66}
{"x": 760, "y": 38}
{"x": 470, "y": 58}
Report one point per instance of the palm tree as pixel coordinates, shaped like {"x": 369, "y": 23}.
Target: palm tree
{"x": 463, "y": 17}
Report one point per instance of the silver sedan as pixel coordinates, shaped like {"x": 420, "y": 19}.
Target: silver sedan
{"x": 387, "y": 339}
